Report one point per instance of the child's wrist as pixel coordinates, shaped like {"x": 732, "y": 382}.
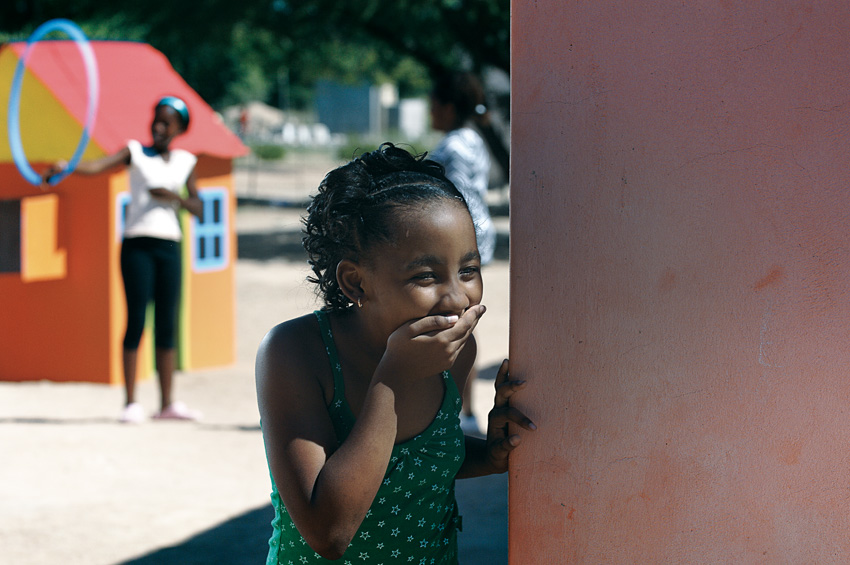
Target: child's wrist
{"x": 389, "y": 376}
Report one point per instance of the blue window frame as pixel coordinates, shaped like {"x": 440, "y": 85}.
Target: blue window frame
{"x": 122, "y": 201}
{"x": 210, "y": 251}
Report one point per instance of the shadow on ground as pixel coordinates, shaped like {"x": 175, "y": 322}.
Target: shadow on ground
{"x": 489, "y": 372}
{"x": 40, "y": 421}
{"x": 266, "y": 246}
{"x": 244, "y": 539}
{"x": 286, "y": 245}
{"x": 240, "y": 541}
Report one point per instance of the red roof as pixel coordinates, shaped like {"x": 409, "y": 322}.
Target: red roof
{"x": 133, "y": 76}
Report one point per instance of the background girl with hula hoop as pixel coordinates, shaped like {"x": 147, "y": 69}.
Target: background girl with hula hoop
{"x": 150, "y": 252}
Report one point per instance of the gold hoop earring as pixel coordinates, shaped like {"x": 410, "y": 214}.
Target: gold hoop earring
{"x": 359, "y": 303}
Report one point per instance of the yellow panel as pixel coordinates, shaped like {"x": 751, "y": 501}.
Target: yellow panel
{"x": 207, "y": 311}
{"x": 48, "y": 131}
{"x": 41, "y": 258}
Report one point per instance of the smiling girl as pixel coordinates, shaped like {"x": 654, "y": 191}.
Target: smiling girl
{"x": 359, "y": 401}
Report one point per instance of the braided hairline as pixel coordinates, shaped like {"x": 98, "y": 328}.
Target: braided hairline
{"x": 329, "y": 238}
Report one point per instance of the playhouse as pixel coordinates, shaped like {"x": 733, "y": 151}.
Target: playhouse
{"x": 62, "y": 313}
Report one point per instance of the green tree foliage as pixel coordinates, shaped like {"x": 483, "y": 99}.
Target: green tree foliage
{"x": 438, "y": 33}
{"x": 232, "y": 51}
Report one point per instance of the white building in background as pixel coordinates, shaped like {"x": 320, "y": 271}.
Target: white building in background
{"x": 413, "y": 117}
{"x": 340, "y": 110}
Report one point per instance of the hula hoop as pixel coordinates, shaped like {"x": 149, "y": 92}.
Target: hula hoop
{"x": 13, "y": 122}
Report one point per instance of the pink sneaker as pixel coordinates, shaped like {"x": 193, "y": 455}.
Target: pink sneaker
{"x": 132, "y": 413}
{"x": 178, "y": 411}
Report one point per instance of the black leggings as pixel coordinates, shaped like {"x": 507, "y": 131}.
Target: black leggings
{"x": 151, "y": 270}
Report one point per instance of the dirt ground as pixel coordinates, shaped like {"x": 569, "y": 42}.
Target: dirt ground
{"x": 78, "y": 488}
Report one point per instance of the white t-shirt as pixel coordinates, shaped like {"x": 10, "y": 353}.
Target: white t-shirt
{"x": 148, "y": 216}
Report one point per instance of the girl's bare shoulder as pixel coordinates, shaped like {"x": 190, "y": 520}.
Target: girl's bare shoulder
{"x": 293, "y": 347}
{"x": 294, "y": 387}
{"x": 296, "y": 330}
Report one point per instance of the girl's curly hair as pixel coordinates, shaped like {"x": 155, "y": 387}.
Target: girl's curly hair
{"x": 356, "y": 206}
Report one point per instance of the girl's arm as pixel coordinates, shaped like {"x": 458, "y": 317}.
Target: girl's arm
{"x": 490, "y": 456}
{"x": 192, "y": 202}
{"x": 94, "y": 167}
{"x": 328, "y": 489}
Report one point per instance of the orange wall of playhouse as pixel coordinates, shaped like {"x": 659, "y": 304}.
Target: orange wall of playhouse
{"x": 680, "y": 281}
{"x": 66, "y": 322}
{"x": 59, "y": 327}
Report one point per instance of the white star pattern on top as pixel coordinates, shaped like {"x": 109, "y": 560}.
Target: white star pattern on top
{"x": 414, "y": 516}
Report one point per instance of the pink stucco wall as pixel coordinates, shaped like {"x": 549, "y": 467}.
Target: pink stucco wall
{"x": 680, "y": 255}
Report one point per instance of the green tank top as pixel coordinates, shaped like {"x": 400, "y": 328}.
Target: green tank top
{"x": 414, "y": 517}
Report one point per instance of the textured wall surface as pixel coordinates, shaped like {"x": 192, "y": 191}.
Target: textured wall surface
{"x": 680, "y": 256}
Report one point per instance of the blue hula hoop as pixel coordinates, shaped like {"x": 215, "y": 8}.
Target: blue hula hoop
{"x": 13, "y": 122}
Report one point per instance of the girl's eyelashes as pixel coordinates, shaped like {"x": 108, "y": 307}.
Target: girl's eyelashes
{"x": 468, "y": 272}
{"x": 427, "y": 276}
{"x": 465, "y": 273}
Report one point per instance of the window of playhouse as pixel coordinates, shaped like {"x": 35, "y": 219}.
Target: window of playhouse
{"x": 210, "y": 236}
{"x": 122, "y": 201}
